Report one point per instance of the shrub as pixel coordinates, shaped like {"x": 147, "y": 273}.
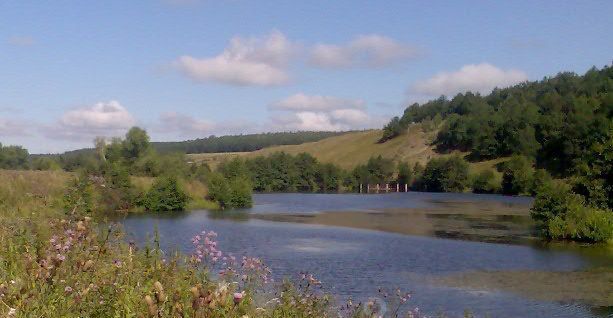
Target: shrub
{"x": 562, "y": 214}
{"x": 229, "y": 193}
{"x": 240, "y": 193}
{"x": 78, "y": 198}
{"x": 541, "y": 177}
{"x": 166, "y": 194}
{"x": 517, "y": 176}
{"x": 445, "y": 175}
{"x": 405, "y": 174}
{"x": 485, "y": 182}
{"x": 44, "y": 163}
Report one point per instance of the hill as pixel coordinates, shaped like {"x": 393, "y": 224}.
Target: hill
{"x": 353, "y": 148}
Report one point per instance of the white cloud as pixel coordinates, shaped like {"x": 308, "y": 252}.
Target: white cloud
{"x": 21, "y": 41}
{"x": 480, "y": 78}
{"x": 10, "y": 127}
{"x": 363, "y": 51}
{"x": 173, "y": 124}
{"x": 246, "y": 61}
{"x": 301, "y": 101}
{"x": 316, "y": 112}
{"x": 184, "y": 124}
{"x": 101, "y": 119}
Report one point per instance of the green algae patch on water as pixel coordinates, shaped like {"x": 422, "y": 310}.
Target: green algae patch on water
{"x": 591, "y": 287}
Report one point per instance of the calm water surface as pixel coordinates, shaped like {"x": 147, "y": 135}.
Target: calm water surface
{"x": 356, "y": 263}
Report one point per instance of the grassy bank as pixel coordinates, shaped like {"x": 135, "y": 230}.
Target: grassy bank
{"x": 54, "y": 264}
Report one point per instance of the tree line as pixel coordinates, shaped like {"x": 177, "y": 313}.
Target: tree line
{"x": 243, "y": 143}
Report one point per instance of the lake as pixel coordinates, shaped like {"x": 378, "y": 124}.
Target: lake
{"x": 319, "y": 234}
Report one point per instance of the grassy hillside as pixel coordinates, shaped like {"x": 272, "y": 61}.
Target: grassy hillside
{"x": 354, "y": 148}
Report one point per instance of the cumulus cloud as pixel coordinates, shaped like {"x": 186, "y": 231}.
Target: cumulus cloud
{"x": 316, "y": 112}
{"x": 21, "y": 41}
{"x": 101, "y": 119}
{"x": 363, "y": 51}
{"x": 480, "y": 78}
{"x": 303, "y": 102}
{"x": 246, "y": 61}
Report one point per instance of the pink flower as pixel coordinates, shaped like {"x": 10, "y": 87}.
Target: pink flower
{"x": 238, "y": 297}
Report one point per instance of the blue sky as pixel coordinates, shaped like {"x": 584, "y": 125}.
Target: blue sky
{"x": 73, "y": 70}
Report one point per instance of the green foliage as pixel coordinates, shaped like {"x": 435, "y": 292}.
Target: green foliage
{"x": 79, "y": 196}
{"x": 445, "y": 175}
{"x": 233, "y": 168}
{"x": 240, "y": 193}
{"x": 229, "y": 193}
{"x": 13, "y": 157}
{"x": 376, "y": 170}
{"x": 540, "y": 177}
{"x": 562, "y": 214}
{"x": 44, "y": 163}
{"x": 242, "y": 143}
{"x": 517, "y": 176}
{"x": 283, "y": 172}
{"x": 557, "y": 121}
{"x": 393, "y": 129}
{"x": 166, "y": 194}
{"x": 136, "y": 144}
{"x": 219, "y": 189}
{"x": 117, "y": 191}
{"x": 594, "y": 179}
{"x": 485, "y": 182}
{"x": 405, "y": 173}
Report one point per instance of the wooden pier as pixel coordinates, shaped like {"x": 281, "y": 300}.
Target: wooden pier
{"x": 383, "y": 188}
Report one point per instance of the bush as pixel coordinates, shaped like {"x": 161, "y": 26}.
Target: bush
{"x": 229, "y": 193}
{"x": 117, "y": 192}
{"x": 485, "y": 182}
{"x": 562, "y": 214}
{"x": 582, "y": 223}
{"x": 405, "y": 174}
{"x": 540, "y": 178}
{"x": 44, "y": 163}
{"x": 445, "y": 175}
{"x": 240, "y": 193}
{"x": 166, "y": 194}
{"x": 79, "y": 196}
{"x": 517, "y": 176}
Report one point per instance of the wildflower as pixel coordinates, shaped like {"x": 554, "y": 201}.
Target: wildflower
{"x": 12, "y": 312}
{"x": 117, "y": 263}
{"x": 238, "y": 297}
{"x": 68, "y": 289}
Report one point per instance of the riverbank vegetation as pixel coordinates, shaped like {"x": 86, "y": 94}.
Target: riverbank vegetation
{"x": 57, "y": 261}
